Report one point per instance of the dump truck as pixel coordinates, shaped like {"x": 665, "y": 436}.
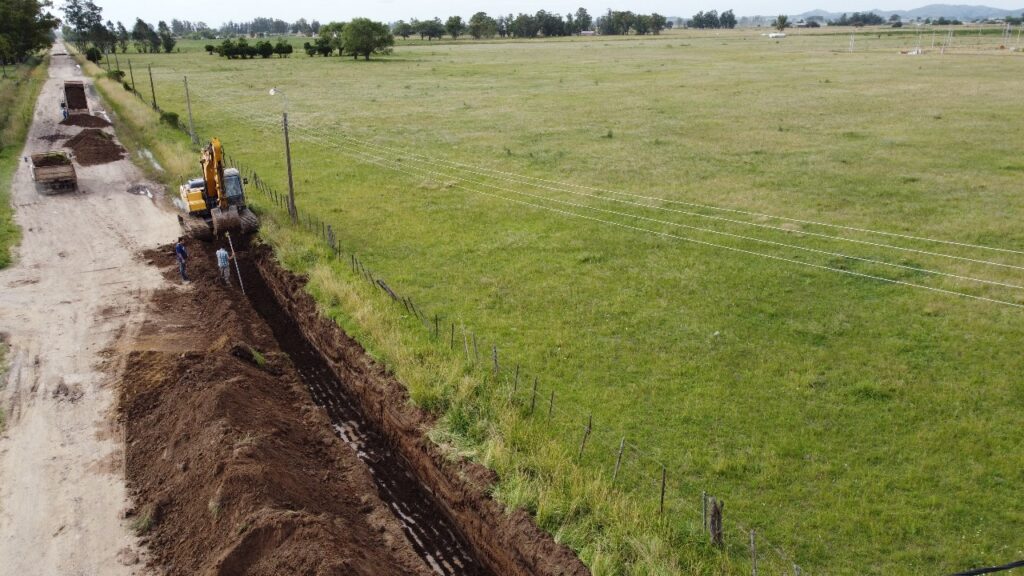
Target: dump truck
{"x": 54, "y": 172}
{"x": 215, "y": 203}
{"x": 74, "y": 98}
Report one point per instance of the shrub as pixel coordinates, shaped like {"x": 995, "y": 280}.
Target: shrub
{"x": 116, "y": 75}
{"x": 169, "y": 118}
{"x": 93, "y": 55}
{"x": 210, "y": 48}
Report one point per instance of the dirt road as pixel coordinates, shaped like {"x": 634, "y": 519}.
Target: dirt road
{"x": 76, "y": 286}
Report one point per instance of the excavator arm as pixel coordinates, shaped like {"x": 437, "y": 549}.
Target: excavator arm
{"x": 225, "y": 216}
{"x": 212, "y": 161}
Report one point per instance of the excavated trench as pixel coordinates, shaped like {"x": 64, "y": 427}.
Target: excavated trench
{"x": 431, "y": 531}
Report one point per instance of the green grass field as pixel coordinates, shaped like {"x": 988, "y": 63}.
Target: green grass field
{"x": 18, "y": 92}
{"x": 861, "y": 426}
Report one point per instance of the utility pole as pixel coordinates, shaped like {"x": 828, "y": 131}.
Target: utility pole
{"x": 288, "y": 159}
{"x": 191, "y": 125}
{"x": 287, "y": 155}
{"x": 151, "y": 87}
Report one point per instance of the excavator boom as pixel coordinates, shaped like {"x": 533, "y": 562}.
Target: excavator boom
{"x": 218, "y": 206}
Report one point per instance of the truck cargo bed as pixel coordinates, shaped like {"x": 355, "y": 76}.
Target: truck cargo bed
{"x": 54, "y": 171}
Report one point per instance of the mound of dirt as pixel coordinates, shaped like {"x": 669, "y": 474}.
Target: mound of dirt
{"x": 93, "y": 146}
{"x": 232, "y": 468}
{"x": 86, "y": 121}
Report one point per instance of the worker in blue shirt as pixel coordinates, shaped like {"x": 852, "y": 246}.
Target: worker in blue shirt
{"x": 182, "y": 255}
{"x": 223, "y": 259}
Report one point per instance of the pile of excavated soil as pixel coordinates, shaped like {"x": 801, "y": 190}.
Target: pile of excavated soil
{"x": 85, "y": 120}
{"x": 232, "y": 468}
{"x": 93, "y": 146}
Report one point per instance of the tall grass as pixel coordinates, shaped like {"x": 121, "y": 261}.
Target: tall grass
{"x": 18, "y": 93}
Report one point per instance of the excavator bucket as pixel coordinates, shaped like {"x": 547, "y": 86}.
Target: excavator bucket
{"x": 226, "y": 220}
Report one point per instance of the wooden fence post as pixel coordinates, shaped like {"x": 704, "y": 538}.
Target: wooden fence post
{"x": 533, "y": 398}
{"x": 703, "y": 511}
{"x": 618, "y": 459}
{"x": 715, "y": 521}
{"x": 753, "y": 552}
{"x": 664, "y": 478}
{"x": 586, "y": 434}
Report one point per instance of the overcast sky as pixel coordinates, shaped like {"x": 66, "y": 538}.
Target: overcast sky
{"x": 214, "y": 13}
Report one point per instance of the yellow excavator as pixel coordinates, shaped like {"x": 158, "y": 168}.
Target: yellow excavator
{"x": 215, "y": 203}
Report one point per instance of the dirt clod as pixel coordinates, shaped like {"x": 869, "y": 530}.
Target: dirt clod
{"x": 85, "y": 121}
{"x": 93, "y": 146}
{"x": 70, "y": 393}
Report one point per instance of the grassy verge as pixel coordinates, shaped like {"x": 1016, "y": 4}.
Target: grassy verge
{"x": 18, "y": 93}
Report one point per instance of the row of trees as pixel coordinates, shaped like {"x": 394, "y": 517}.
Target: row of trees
{"x": 26, "y": 26}
{"x": 711, "y": 19}
{"x": 481, "y": 25}
{"x": 858, "y": 19}
{"x": 84, "y": 27}
{"x": 241, "y": 48}
{"x": 360, "y": 37}
{"x": 263, "y": 26}
{"x": 622, "y": 23}
{"x": 542, "y": 23}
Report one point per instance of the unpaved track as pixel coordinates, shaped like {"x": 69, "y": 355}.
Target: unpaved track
{"x": 76, "y": 286}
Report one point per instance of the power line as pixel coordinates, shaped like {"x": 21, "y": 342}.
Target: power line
{"x": 722, "y": 233}
{"x": 707, "y": 206}
{"x": 357, "y": 156}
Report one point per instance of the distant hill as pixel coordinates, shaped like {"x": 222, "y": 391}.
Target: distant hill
{"x": 961, "y": 12}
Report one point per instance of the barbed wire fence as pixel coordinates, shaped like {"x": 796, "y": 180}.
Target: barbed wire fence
{"x": 654, "y": 486}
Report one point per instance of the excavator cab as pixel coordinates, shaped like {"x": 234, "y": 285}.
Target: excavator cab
{"x": 215, "y": 203}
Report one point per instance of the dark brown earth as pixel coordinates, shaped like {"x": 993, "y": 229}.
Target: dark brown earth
{"x": 93, "y": 146}
{"x": 50, "y": 159}
{"x": 232, "y": 468}
{"x": 55, "y": 137}
{"x": 85, "y": 120}
{"x": 234, "y": 408}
